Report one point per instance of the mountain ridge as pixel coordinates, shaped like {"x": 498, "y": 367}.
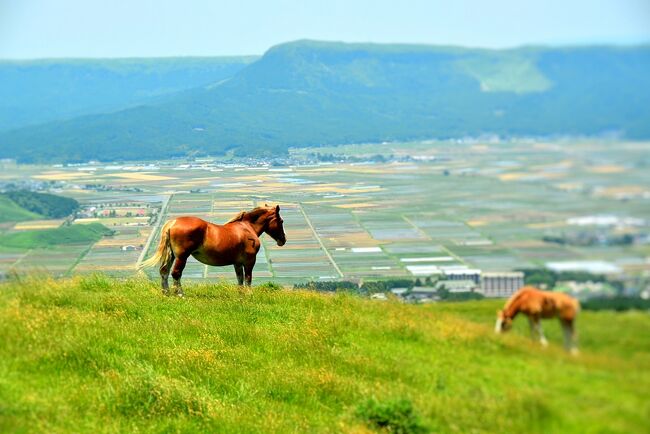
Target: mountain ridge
{"x": 319, "y": 93}
{"x": 35, "y": 91}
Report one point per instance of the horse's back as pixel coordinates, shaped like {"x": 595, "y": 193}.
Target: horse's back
{"x": 549, "y": 303}
{"x": 530, "y": 300}
{"x": 187, "y": 232}
{"x": 189, "y": 225}
{"x": 567, "y": 307}
{"x": 190, "y": 221}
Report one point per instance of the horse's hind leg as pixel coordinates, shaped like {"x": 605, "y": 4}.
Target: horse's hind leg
{"x": 165, "y": 269}
{"x": 569, "y": 336}
{"x": 177, "y": 272}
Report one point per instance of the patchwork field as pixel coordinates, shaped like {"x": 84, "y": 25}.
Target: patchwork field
{"x": 427, "y": 207}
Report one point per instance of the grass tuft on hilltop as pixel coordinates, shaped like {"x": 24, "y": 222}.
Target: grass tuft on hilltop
{"x": 102, "y": 355}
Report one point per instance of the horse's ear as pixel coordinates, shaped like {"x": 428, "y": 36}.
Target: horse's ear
{"x": 277, "y": 208}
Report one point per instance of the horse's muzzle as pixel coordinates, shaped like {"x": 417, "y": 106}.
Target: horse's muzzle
{"x": 282, "y": 242}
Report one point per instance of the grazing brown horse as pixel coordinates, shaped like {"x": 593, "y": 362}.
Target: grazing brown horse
{"x": 537, "y": 304}
{"x": 233, "y": 243}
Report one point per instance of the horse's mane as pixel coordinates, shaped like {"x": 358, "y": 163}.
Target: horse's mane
{"x": 515, "y": 297}
{"x": 238, "y": 217}
{"x": 253, "y": 214}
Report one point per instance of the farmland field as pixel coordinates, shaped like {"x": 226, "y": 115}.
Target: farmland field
{"x": 491, "y": 206}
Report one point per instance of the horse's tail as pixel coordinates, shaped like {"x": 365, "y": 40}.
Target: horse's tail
{"x": 164, "y": 252}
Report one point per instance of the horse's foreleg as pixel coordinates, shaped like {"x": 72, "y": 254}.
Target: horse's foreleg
{"x": 533, "y": 331}
{"x": 165, "y": 269}
{"x": 248, "y": 272}
{"x": 239, "y": 271}
{"x": 177, "y": 272}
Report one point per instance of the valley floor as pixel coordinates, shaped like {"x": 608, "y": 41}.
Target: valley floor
{"x": 396, "y": 210}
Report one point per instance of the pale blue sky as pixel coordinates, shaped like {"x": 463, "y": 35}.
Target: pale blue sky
{"x": 128, "y": 28}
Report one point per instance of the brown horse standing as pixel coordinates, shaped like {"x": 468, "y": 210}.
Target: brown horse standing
{"x": 234, "y": 243}
{"x": 537, "y": 304}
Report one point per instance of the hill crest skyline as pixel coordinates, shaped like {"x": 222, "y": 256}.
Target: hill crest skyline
{"x": 310, "y": 93}
{"x": 350, "y": 43}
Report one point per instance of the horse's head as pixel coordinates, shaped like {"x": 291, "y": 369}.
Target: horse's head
{"x": 274, "y": 226}
{"x": 503, "y": 322}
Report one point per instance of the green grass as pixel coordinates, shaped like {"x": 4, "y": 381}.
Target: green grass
{"x": 12, "y": 212}
{"x": 99, "y": 355}
{"x": 75, "y": 234}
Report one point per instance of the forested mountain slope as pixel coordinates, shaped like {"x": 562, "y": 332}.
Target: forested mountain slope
{"x": 311, "y": 93}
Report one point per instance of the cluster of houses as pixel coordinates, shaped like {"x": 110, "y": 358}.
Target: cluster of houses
{"x": 113, "y": 210}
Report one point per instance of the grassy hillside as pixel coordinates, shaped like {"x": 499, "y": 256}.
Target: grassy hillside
{"x": 100, "y": 355}
{"x": 316, "y": 93}
{"x": 74, "y": 234}
{"x": 10, "y": 211}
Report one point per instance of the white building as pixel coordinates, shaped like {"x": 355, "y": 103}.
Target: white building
{"x": 501, "y": 284}
{"x": 463, "y": 274}
{"x": 457, "y": 285}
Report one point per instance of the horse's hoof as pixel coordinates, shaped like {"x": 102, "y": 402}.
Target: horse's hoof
{"x": 181, "y": 295}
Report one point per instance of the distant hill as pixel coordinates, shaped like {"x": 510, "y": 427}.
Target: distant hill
{"x": 42, "y": 238}
{"x": 10, "y": 211}
{"x": 37, "y": 91}
{"x": 44, "y": 204}
{"x": 21, "y": 205}
{"x": 314, "y": 93}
